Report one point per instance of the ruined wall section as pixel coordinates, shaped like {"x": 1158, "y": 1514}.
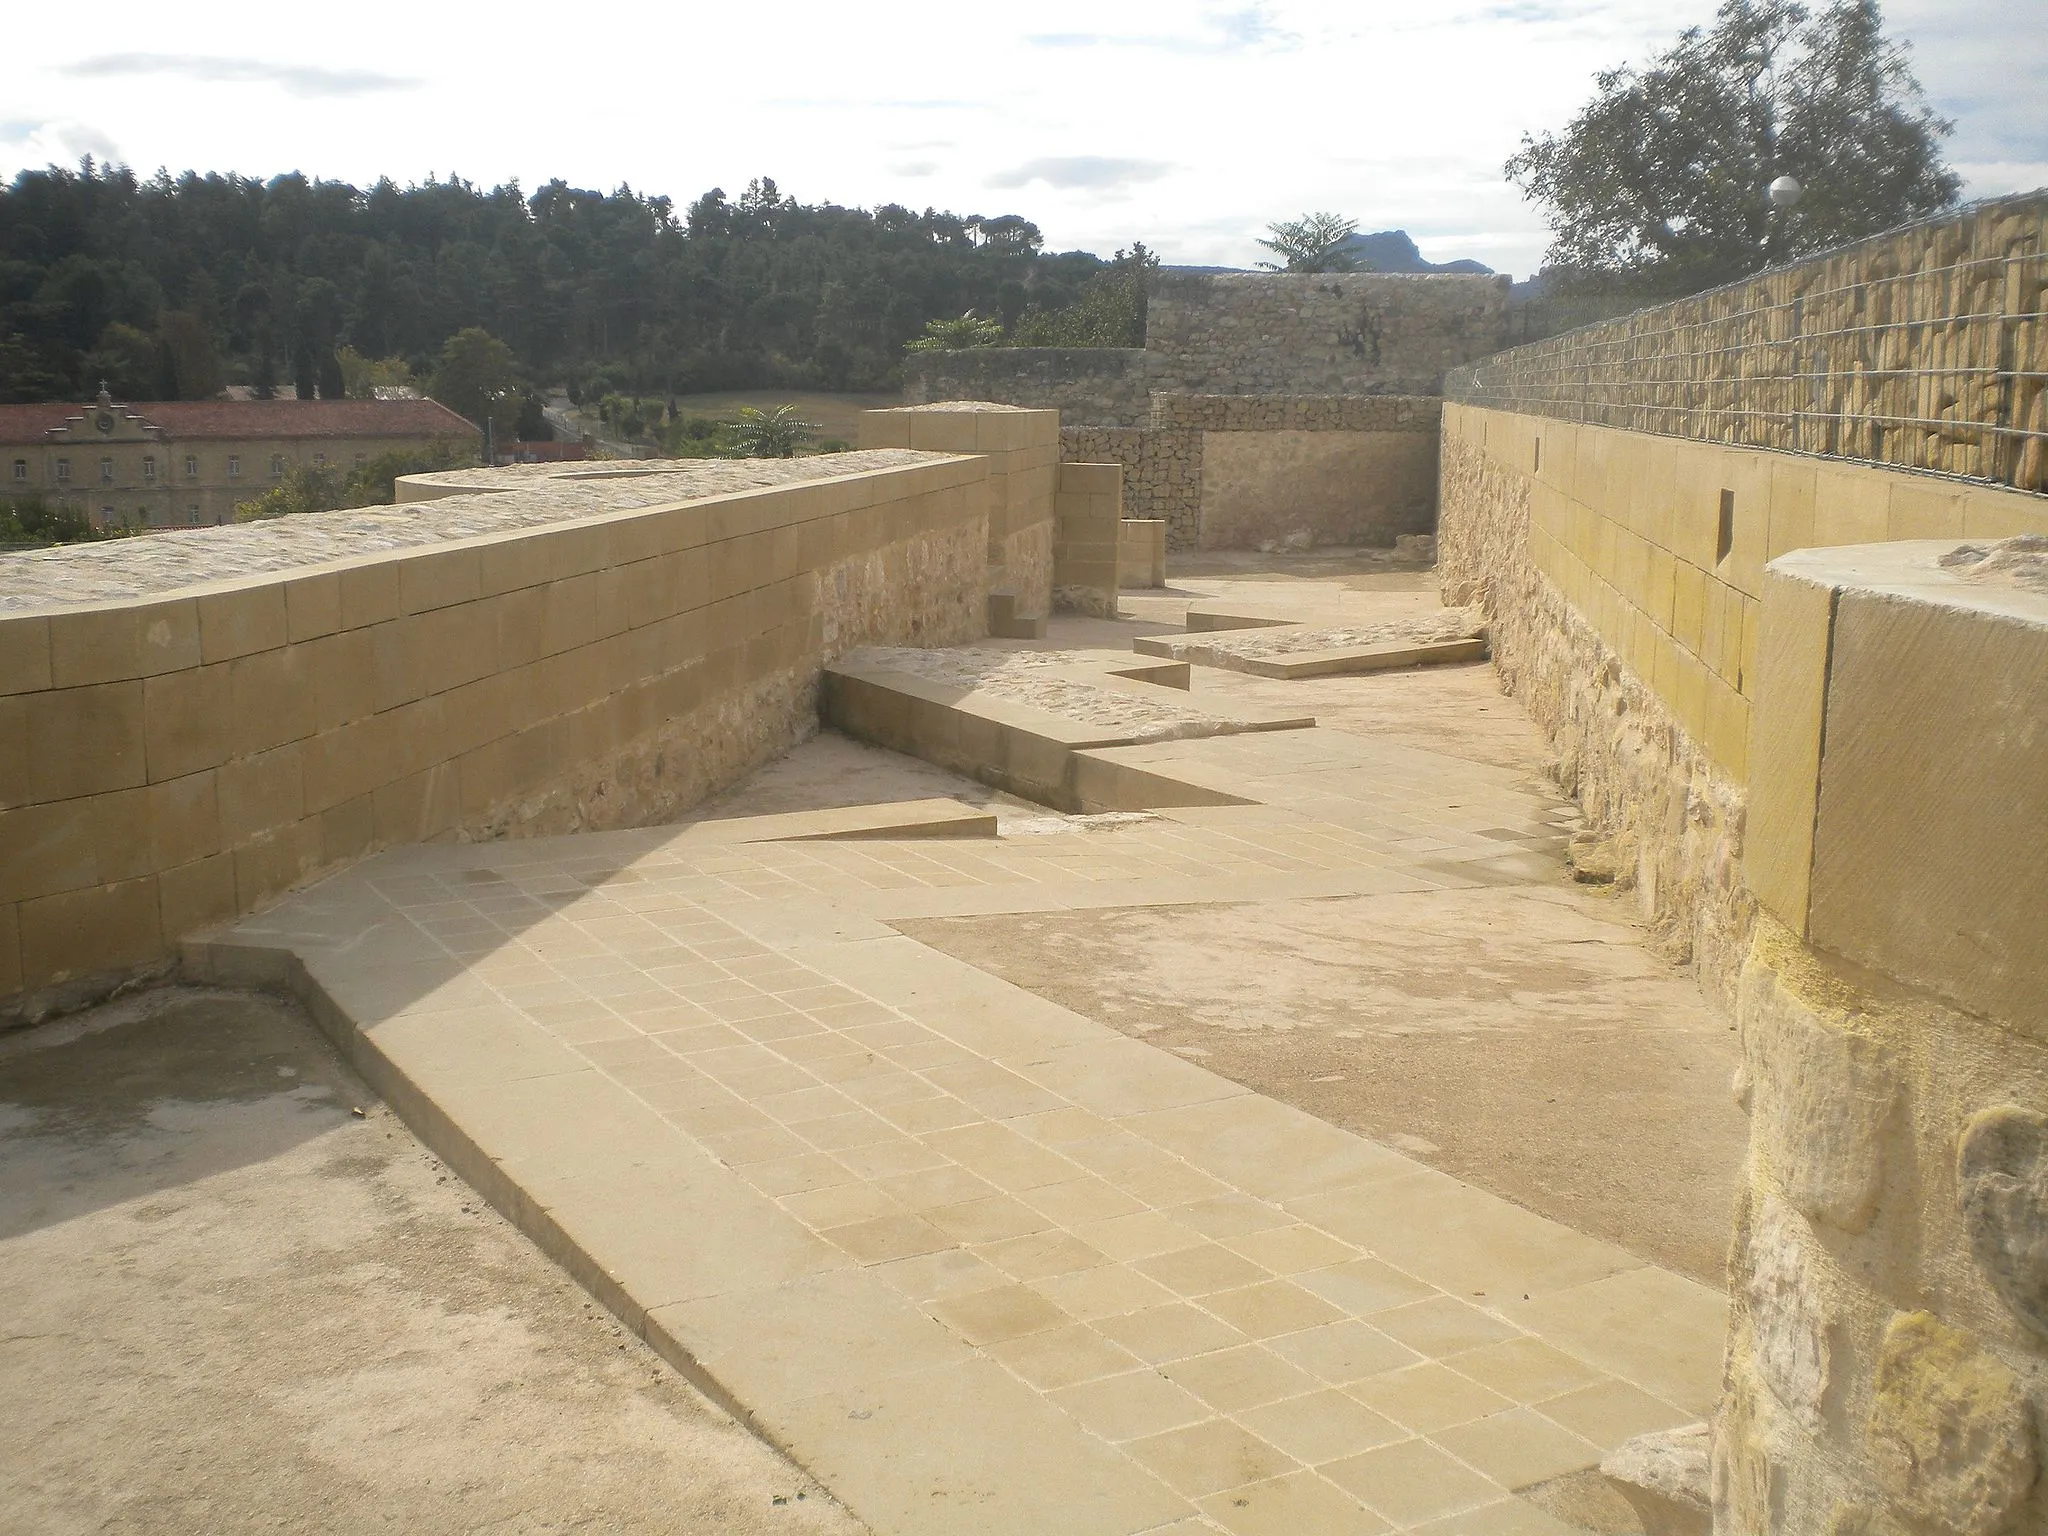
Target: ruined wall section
{"x": 1358, "y": 333}
{"x": 1088, "y": 386}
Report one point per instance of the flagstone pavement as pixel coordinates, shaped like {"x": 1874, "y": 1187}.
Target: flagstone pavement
{"x": 980, "y": 1263}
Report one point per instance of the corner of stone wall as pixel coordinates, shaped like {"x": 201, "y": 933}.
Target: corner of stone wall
{"x": 1888, "y": 1341}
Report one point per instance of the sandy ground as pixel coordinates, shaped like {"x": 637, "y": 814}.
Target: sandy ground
{"x": 229, "y": 1304}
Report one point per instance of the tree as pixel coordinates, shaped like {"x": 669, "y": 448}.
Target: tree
{"x": 125, "y": 361}
{"x": 967, "y": 330}
{"x": 480, "y": 377}
{"x": 1109, "y": 311}
{"x": 1312, "y": 243}
{"x": 1660, "y": 183}
{"x": 770, "y": 434}
{"x": 188, "y": 362}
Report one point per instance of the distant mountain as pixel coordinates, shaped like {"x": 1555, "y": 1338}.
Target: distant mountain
{"x": 1392, "y": 251}
{"x": 1388, "y": 251}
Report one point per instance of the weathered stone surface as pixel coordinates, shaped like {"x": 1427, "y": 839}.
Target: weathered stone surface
{"x": 1787, "y": 1312}
{"x": 1826, "y": 1094}
{"x": 2002, "y": 1189}
{"x": 1950, "y": 1430}
{"x": 1667, "y": 1478}
{"x": 1741, "y": 1471}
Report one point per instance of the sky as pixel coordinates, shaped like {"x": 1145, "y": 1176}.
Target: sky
{"x": 1186, "y": 125}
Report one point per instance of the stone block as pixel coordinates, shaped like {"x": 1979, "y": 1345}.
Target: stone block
{"x": 2002, "y": 1190}
{"x": 1824, "y": 1092}
{"x": 188, "y": 720}
{"x": 369, "y": 594}
{"x": 241, "y": 620}
{"x": 1796, "y": 629}
{"x": 1951, "y": 1431}
{"x": 1790, "y": 1319}
{"x": 24, "y": 655}
{"x": 1924, "y": 777}
{"x": 260, "y": 792}
{"x": 83, "y": 741}
{"x": 196, "y": 895}
{"x": 118, "y": 642}
{"x": 270, "y": 699}
{"x": 273, "y": 862}
{"x": 1924, "y": 508}
{"x": 183, "y": 820}
{"x": 312, "y": 607}
{"x": 91, "y": 931}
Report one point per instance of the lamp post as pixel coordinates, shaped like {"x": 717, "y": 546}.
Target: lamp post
{"x": 491, "y": 399}
{"x": 1783, "y": 195}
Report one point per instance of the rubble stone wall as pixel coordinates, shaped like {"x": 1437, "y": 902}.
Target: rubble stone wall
{"x": 1354, "y": 333}
{"x": 1093, "y": 386}
{"x": 555, "y": 650}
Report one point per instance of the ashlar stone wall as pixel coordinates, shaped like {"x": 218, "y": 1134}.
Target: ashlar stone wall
{"x": 193, "y": 723}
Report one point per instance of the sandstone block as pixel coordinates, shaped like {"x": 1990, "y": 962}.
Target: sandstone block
{"x": 1824, "y": 1094}
{"x": 1788, "y": 1312}
{"x": 2002, "y": 1189}
{"x": 1667, "y": 1480}
{"x": 1950, "y": 1430}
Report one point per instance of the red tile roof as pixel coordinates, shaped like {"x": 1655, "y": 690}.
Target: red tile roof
{"x": 188, "y": 420}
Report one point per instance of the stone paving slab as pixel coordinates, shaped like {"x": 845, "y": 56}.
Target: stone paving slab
{"x": 977, "y": 1261}
{"x": 1315, "y": 654}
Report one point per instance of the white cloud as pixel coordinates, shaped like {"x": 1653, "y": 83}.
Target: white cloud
{"x": 1188, "y": 127}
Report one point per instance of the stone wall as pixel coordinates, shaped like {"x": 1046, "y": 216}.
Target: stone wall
{"x": 1097, "y": 386}
{"x": 1162, "y": 473}
{"x": 1922, "y": 347}
{"x": 1252, "y": 471}
{"x": 1249, "y": 333}
{"x": 1888, "y": 1348}
{"x": 1622, "y": 575}
{"x": 195, "y": 722}
{"x": 1023, "y": 452}
{"x": 1088, "y": 546}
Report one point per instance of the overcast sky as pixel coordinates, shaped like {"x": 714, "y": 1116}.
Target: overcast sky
{"x": 1187, "y": 126}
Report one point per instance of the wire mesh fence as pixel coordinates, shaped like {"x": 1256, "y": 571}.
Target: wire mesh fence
{"x": 1925, "y": 347}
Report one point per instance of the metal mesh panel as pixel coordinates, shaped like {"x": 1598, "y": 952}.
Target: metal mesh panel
{"x": 1925, "y": 347}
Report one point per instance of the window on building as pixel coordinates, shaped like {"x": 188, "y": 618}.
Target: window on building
{"x": 108, "y": 517}
{"x": 276, "y": 466}
{"x": 362, "y": 459}
{"x": 319, "y": 458}
{"x": 21, "y": 469}
{"x": 149, "y": 466}
{"x": 106, "y": 471}
{"x": 234, "y": 466}
{"x": 192, "y": 512}
{"x": 191, "y": 466}
{"x": 63, "y": 469}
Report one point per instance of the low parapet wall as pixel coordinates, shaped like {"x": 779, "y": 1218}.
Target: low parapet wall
{"x": 193, "y": 723}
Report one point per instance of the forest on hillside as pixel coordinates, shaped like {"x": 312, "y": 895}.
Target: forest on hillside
{"x": 170, "y": 287}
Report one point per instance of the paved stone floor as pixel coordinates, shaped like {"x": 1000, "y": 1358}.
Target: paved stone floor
{"x": 977, "y": 1261}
